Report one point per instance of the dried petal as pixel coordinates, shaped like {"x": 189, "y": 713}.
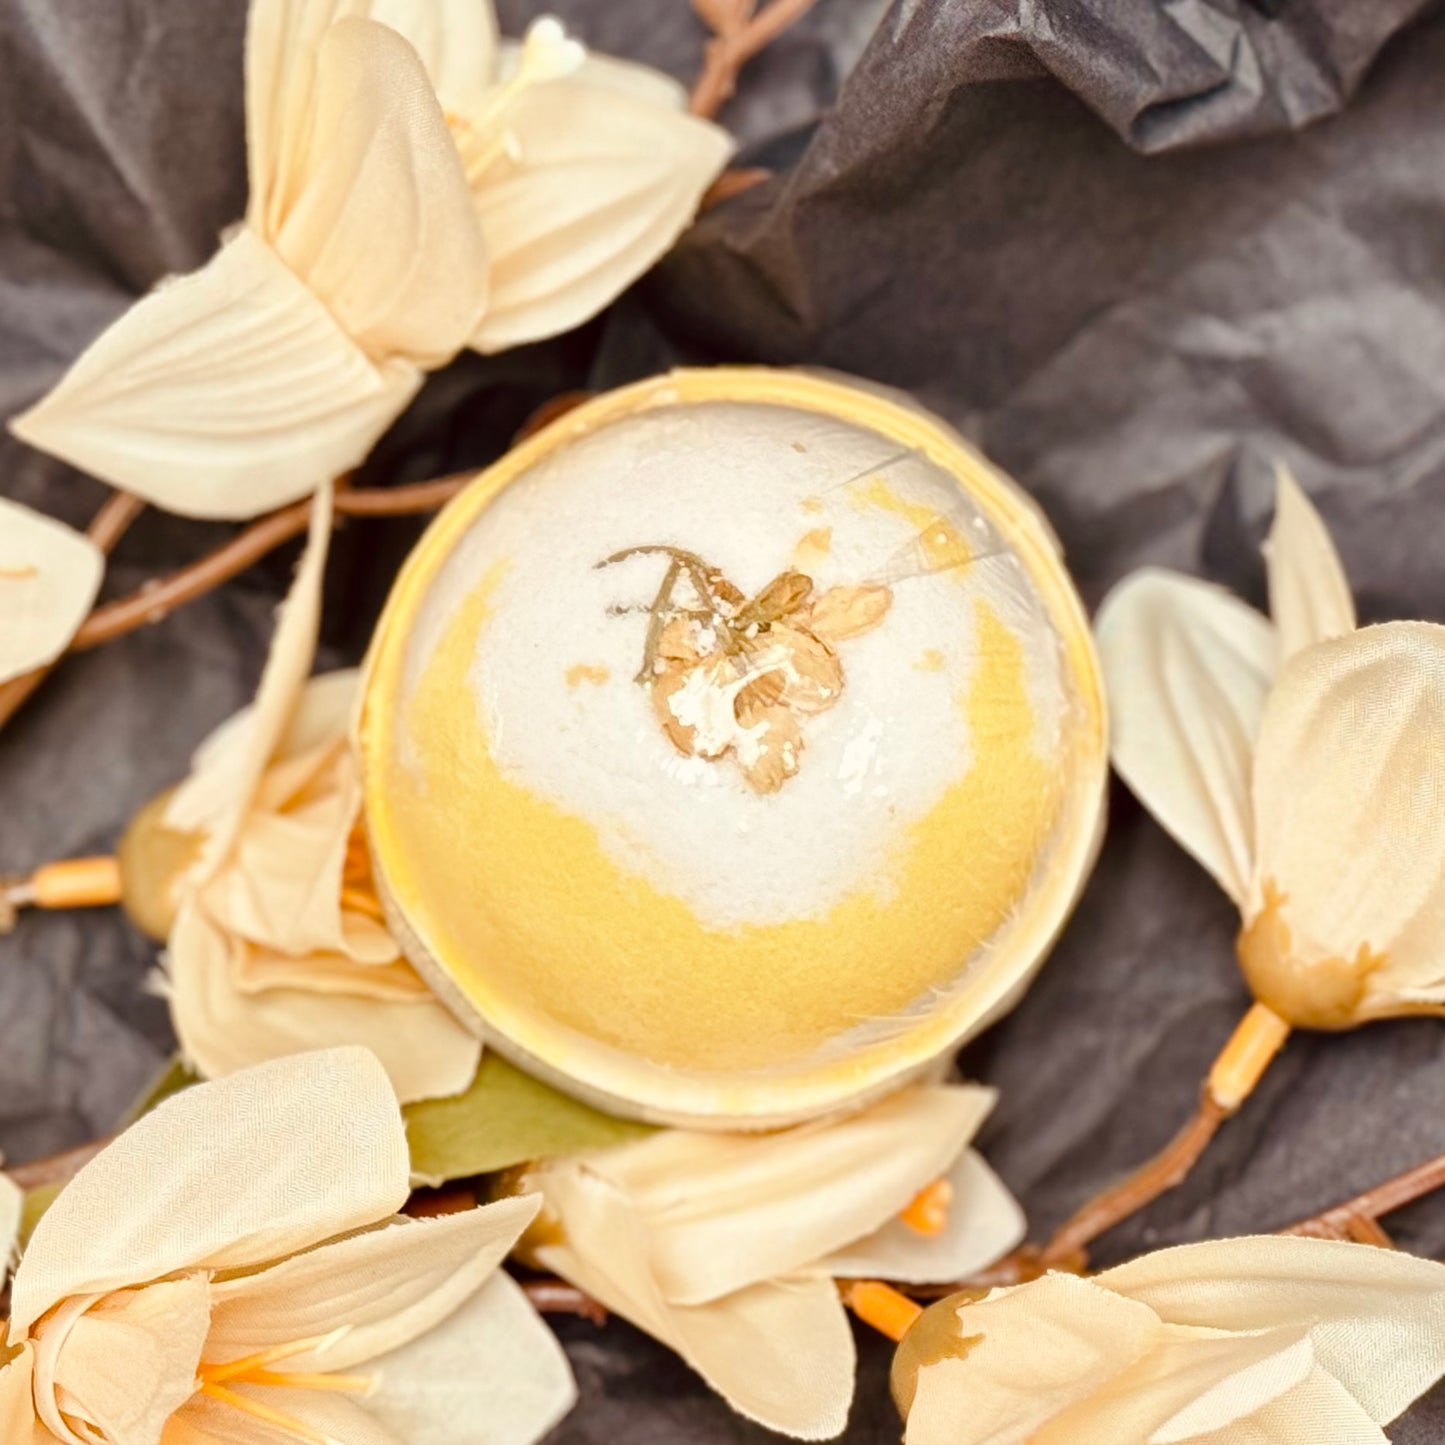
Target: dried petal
{"x": 812, "y": 674}
{"x": 784, "y": 595}
{"x": 844, "y": 612}
{"x": 769, "y": 744}
{"x": 695, "y": 706}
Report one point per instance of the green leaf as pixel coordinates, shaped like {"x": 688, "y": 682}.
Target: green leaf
{"x": 36, "y": 1202}
{"x": 505, "y": 1118}
{"x": 171, "y": 1080}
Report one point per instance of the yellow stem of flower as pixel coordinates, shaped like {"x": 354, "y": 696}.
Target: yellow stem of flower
{"x": 277, "y": 1419}
{"x": 1242, "y": 1062}
{"x": 928, "y": 1213}
{"x": 877, "y": 1304}
{"x": 74, "y": 883}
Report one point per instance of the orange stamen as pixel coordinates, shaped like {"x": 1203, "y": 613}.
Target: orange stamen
{"x": 277, "y": 1419}
{"x": 881, "y": 1306}
{"x": 359, "y": 899}
{"x": 235, "y": 1369}
{"x": 928, "y": 1213}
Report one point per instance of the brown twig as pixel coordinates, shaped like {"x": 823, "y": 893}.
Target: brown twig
{"x": 1167, "y": 1169}
{"x": 556, "y": 1297}
{"x": 1235, "y": 1073}
{"x": 158, "y": 598}
{"x": 1359, "y": 1218}
{"x": 732, "y": 183}
{"x": 740, "y": 29}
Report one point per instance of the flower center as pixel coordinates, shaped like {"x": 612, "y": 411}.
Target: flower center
{"x": 485, "y": 136}
{"x": 218, "y": 1382}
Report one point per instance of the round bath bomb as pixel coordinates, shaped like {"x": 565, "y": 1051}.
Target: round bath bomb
{"x": 733, "y": 748}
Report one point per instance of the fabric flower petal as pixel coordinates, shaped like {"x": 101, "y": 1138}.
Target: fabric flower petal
{"x": 216, "y": 796}
{"x": 123, "y": 1366}
{"x": 1188, "y": 669}
{"x": 1309, "y": 594}
{"x": 727, "y": 1210}
{"x": 1024, "y": 1356}
{"x": 49, "y": 575}
{"x": 780, "y": 1353}
{"x": 1376, "y": 1316}
{"x": 223, "y": 394}
{"x": 383, "y": 228}
{"x": 1192, "y": 1382}
{"x": 602, "y": 184}
{"x": 984, "y": 1223}
{"x": 12, "y": 1205}
{"x": 455, "y": 39}
{"x": 18, "y": 1422}
{"x": 609, "y": 72}
{"x": 493, "y": 1361}
{"x": 426, "y": 1053}
{"x": 385, "y": 1287}
{"x": 1350, "y": 810}
{"x": 332, "y": 1416}
{"x": 1332, "y": 1414}
{"x": 222, "y": 1176}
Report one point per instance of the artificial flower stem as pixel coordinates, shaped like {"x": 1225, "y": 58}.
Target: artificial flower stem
{"x": 72, "y": 883}
{"x": 740, "y": 31}
{"x": 1361, "y": 1215}
{"x": 1235, "y": 1074}
{"x": 1243, "y": 1060}
{"x": 881, "y": 1306}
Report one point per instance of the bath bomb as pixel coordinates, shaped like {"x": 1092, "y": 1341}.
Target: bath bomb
{"x": 733, "y": 748}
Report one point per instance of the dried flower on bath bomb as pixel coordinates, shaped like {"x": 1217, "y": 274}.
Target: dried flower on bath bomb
{"x": 1300, "y": 761}
{"x": 726, "y": 1246}
{"x": 49, "y": 576}
{"x": 1261, "y": 1341}
{"x": 232, "y": 1269}
{"x": 387, "y": 228}
{"x": 733, "y": 674}
{"x": 277, "y": 944}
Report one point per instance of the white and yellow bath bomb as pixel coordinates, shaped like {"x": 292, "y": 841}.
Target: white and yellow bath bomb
{"x": 733, "y": 748}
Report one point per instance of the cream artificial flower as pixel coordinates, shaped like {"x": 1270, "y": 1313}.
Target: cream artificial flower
{"x": 232, "y": 1271}
{"x": 49, "y": 575}
{"x": 277, "y": 944}
{"x": 382, "y": 235}
{"x": 12, "y": 1204}
{"x": 1262, "y": 1341}
{"x": 725, "y": 1246}
{"x": 1301, "y": 762}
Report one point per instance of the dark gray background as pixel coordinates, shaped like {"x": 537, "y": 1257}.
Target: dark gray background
{"x": 1135, "y": 249}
